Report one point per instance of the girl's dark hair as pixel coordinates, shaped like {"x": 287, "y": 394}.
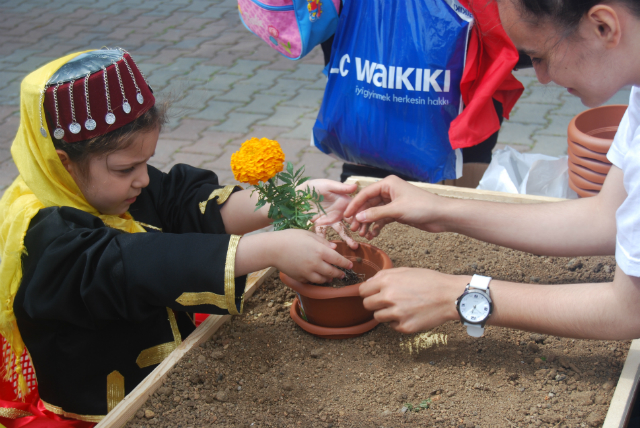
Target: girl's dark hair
{"x": 568, "y": 13}
{"x": 119, "y": 139}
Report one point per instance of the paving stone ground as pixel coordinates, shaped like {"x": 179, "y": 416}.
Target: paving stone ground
{"x": 225, "y": 84}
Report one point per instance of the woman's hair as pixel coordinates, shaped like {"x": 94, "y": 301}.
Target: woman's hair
{"x": 568, "y": 13}
{"x": 81, "y": 152}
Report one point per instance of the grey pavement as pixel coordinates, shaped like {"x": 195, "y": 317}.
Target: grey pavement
{"x": 225, "y": 84}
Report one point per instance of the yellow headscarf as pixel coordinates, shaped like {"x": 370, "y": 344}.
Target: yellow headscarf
{"x": 43, "y": 182}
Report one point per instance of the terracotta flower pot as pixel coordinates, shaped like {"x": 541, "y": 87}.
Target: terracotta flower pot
{"x": 587, "y": 174}
{"x": 583, "y": 193}
{"x": 595, "y": 128}
{"x": 337, "y": 308}
{"x": 583, "y": 183}
{"x": 592, "y": 164}
{"x": 329, "y": 332}
{"x": 580, "y": 150}
{"x": 590, "y": 135}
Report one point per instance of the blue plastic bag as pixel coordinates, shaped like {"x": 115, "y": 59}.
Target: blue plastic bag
{"x": 394, "y": 86}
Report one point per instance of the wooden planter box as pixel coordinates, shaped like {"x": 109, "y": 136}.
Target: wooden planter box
{"x": 619, "y": 409}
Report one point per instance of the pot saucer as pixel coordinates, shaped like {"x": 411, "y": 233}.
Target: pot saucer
{"x": 583, "y": 193}
{"x": 329, "y": 332}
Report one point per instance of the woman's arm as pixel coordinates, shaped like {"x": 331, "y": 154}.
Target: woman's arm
{"x": 426, "y": 300}
{"x": 577, "y": 227}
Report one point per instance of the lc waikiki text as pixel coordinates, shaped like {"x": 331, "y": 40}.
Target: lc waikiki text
{"x": 390, "y": 77}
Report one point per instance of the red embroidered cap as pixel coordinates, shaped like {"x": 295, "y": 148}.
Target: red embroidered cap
{"x": 95, "y": 93}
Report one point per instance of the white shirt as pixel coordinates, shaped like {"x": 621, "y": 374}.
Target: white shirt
{"x": 625, "y": 154}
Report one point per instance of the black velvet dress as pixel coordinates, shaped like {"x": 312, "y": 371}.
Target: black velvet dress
{"x": 98, "y": 308}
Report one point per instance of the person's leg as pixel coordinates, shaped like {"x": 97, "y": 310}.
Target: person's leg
{"x": 326, "y": 45}
{"x": 476, "y": 159}
{"x": 326, "y": 49}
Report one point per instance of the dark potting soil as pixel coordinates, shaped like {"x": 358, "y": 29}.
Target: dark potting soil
{"x": 350, "y": 278}
{"x": 262, "y": 370}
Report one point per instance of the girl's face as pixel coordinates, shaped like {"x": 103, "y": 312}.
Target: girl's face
{"x": 581, "y": 61}
{"x": 115, "y": 180}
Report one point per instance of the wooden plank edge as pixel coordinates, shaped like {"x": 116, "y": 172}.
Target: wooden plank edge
{"x": 128, "y": 407}
{"x": 463, "y": 192}
{"x": 623, "y": 398}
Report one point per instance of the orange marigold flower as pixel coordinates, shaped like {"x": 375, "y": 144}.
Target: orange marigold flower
{"x": 257, "y": 160}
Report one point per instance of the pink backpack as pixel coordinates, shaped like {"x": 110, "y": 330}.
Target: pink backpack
{"x": 292, "y": 27}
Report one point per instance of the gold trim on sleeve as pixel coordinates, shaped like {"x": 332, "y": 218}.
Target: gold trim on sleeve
{"x": 204, "y": 298}
{"x": 222, "y": 194}
{"x": 155, "y": 355}
{"x": 230, "y": 277}
{"x": 11, "y": 413}
{"x": 58, "y": 411}
{"x": 148, "y": 226}
{"x": 115, "y": 389}
{"x": 177, "y": 338}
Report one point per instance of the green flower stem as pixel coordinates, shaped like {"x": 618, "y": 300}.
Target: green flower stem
{"x": 290, "y": 207}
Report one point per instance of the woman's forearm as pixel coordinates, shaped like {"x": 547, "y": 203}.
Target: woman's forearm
{"x": 577, "y": 227}
{"x": 590, "y": 311}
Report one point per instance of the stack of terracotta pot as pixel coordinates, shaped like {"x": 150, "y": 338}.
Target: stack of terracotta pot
{"x": 590, "y": 136}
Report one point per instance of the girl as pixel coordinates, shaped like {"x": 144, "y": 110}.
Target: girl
{"x": 574, "y": 44}
{"x": 104, "y": 255}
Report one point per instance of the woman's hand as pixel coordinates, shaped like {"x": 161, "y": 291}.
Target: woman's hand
{"x": 393, "y": 199}
{"x": 413, "y": 300}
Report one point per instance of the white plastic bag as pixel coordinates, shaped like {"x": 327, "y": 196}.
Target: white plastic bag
{"x": 527, "y": 173}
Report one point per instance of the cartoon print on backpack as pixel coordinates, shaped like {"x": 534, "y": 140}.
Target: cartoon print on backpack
{"x": 315, "y": 9}
{"x": 273, "y": 34}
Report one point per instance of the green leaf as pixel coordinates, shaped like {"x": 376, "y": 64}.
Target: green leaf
{"x": 285, "y": 178}
{"x": 290, "y": 168}
{"x": 288, "y": 213}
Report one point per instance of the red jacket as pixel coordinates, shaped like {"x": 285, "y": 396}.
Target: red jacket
{"x": 491, "y": 57}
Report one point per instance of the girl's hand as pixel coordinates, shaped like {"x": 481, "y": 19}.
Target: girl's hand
{"x": 306, "y": 257}
{"x": 342, "y": 231}
{"x": 413, "y": 300}
{"x": 336, "y": 199}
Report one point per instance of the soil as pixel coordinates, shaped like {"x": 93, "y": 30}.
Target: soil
{"x": 350, "y": 278}
{"x": 262, "y": 370}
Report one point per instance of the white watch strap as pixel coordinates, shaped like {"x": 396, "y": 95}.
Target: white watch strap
{"x": 480, "y": 282}
{"x": 474, "y": 330}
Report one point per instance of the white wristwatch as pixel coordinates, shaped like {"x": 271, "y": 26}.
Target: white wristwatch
{"x": 474, "y": 305}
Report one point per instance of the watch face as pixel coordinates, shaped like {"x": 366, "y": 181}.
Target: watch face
{"x": 474, "y": 307}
